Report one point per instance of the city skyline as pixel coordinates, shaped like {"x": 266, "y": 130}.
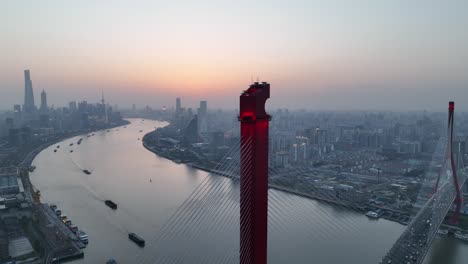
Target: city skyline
{"x": 332, "y": 55}
{"x": 240, "y": 132}
{"x": 177, "y": 107}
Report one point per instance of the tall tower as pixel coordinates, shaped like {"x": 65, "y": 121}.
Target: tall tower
{"x": 449, "y": 163}
{"x": 106, "y": 118}
{"x": 254, "y": 174}
{"x": 72, "y": 106}
{"x": 43, "y": 101}
{"x": 458, "y": 198}
{"x": 28, "y": 106}
{"x": 178, "y": 105}
{"x": 202, "y": 118}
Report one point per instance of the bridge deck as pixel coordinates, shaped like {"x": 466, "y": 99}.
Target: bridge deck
{"x": 416, "y": 240}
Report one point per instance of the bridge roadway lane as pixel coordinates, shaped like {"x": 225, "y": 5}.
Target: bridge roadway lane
{"x": 416, "y": 240}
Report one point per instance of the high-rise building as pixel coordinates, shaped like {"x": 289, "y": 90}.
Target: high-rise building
{"x": 28, "y": 106}
{"x": 44, "y": 120}
{"x": 203, "y": 107}
{"x": 10, "y": 123}
{"x": 72, "y": 106}
{"x": 294, "y": 152}
{"x": 178, "y": 105}
{"x": 17, "y": 108}
{"x": 17, "y": 113}
{"x": 202, "y": 117}
{"x": 104, "y": 108}
{"x": 190, "y": 133}
{"x": 189, "y": 113}
{"x": 83, "y": 106}
{"x": 43, "y": 101}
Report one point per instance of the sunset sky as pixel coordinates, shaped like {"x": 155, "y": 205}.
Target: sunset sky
{"x": 327, "y": 54}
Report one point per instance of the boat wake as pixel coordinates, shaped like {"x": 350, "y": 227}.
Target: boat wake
{"x": 81, "y": 168}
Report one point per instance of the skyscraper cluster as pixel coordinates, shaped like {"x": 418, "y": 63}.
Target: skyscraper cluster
{"x": 45, "y": 121}
{"x": 184, "y": 118}
{"x": 29, "y": 106}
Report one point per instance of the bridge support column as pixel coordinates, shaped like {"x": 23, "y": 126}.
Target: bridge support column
{"x": 254, "y": 174}
{"x": 459, "y": 198}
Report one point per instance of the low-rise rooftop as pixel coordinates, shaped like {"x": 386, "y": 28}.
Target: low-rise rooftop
{"x": 9, "y": 171}
{"x": 9, "y": 180}
{"x": 20, "y": 247}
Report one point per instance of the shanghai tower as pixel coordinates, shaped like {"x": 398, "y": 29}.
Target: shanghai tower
{"x": 28, "y": 106}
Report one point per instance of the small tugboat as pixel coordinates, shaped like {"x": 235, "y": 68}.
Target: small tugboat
{"x": 87, "y": 172}
{"x": 138, "y": 240}
{"x": 111, "y": 204}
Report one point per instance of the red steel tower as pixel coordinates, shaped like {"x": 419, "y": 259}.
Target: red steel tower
{"x": 254, "y": 174}
{"x": 449, "y": 155}
{"x": 459, "y": 198}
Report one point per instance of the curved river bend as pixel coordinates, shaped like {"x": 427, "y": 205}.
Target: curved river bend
{"x": 148, "y": 189}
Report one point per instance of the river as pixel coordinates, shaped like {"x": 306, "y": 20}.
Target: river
{"x": 148, "y": 189}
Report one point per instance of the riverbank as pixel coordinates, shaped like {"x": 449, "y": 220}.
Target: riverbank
{"x": 61, "y": 244}
{"x": 149, "y": 189}
{"x": 385, "y": 213}
{"x": 31, "y": 155}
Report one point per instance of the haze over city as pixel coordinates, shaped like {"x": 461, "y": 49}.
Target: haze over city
{"x": 238, "y": 132}
{"x": 319, "y": 55}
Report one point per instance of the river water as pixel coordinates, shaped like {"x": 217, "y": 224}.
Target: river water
{"x": 148, "y": 190}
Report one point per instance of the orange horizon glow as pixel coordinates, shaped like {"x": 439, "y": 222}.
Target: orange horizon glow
{"x": 311, "y": 53}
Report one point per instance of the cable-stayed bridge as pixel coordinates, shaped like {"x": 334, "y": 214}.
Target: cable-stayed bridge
{"x": 222, "y": 206}
{"x": 416, "y": 240}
